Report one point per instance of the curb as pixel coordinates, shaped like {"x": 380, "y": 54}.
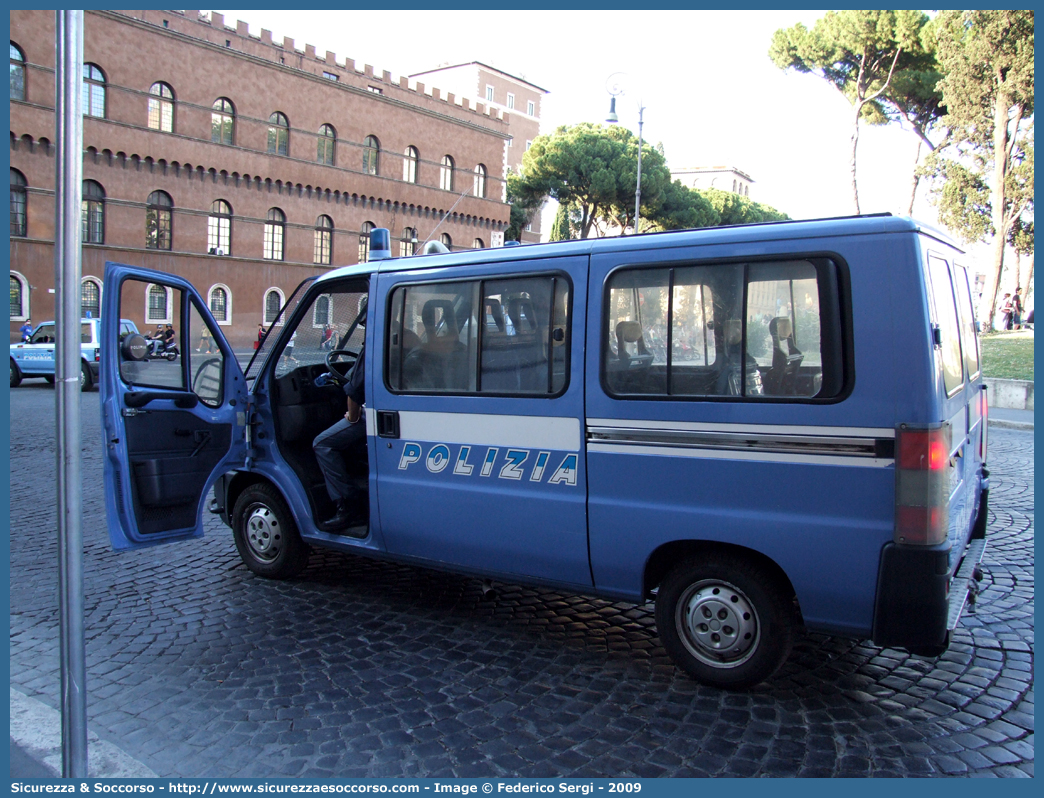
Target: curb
{"x": 1023, "y": 425}
{"x": 37, "y": 729}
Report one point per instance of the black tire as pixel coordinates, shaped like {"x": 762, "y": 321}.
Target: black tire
{"x": 725, "y": 620}
{"x": 266, "y": 535}
{"x": 16, "y": 375}
{"x": 49, "y": 379}
{"x": 86, "y": 383}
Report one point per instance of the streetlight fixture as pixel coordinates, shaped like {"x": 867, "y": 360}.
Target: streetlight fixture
{"x": 615, "y": 89}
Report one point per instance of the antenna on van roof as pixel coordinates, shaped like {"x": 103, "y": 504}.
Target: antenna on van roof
{"x": 446, "y": 216}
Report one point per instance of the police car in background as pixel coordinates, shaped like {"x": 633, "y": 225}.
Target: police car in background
{"x": 35, "y": 358}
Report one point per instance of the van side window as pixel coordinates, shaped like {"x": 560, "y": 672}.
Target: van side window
{"x": 436, "y": 342}
{"x": 969, "y": 336}
{"x": 946, "y": 318}
{"x": 740, "y": 330}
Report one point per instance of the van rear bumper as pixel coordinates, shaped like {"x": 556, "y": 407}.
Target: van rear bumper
{"x": 918, "y": 603}
{"x": 912, "y": 604}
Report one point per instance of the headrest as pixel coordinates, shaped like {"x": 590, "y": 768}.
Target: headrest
{"x": 516, "y": 308}
{"x": 496, "y": 310}
{"x": 733, "y": 332}
{"x": 784, "y": 327}
{"x": 629, "y": 331}
{"x": 430, "y": 319}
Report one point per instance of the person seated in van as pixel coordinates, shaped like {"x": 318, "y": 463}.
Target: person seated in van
{"x": 345, "y": 437}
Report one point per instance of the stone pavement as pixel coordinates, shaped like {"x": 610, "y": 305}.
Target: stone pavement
{"x": 359, "y": 668}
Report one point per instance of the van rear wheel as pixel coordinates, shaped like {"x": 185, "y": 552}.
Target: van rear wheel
{"x": 725, "y": 620}
{"x": 266, "y": 535}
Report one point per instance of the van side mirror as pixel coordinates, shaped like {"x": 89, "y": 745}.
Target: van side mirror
{"x": 978, "y": 326}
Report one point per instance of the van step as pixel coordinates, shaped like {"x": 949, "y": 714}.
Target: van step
{"x": 966, "y": 582}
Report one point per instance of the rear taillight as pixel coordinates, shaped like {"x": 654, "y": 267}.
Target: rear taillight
{"x": 922, "y": 481}
{"x": 97, "y": 355}
{"x": 985, "y": 414}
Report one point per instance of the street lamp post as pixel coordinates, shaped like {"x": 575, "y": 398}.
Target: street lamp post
{"x": 612, "y": 85}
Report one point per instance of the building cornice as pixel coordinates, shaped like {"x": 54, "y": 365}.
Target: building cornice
{"x": 263, "y": 62}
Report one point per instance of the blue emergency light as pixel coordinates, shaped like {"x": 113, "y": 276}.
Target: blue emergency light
{"x": 380, "y": 243}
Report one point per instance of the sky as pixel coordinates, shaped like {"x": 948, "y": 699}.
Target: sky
{"x": 711, "y": 94}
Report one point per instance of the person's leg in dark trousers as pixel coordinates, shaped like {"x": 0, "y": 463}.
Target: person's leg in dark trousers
{"x": 330, "y": 447}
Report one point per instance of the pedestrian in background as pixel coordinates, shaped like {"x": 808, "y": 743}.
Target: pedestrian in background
{"x": 1006, "y": 312}
{"x": 1016, "y": 309}
{"x": 26, "y": 330}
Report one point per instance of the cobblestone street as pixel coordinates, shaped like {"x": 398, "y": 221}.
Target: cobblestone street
{"x": 195, "y": 667}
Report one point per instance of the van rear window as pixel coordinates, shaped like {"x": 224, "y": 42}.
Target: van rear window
{"x": 747, "y": 330}
{"x": 946, "y": 318}
{"x": 969, "y": 336}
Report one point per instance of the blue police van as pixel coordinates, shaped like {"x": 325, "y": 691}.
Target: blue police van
{"x": 761, "y": 428}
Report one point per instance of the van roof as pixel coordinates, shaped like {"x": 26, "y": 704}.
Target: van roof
{"x": 747, "y": 233}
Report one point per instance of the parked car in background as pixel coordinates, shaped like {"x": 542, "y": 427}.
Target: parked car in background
{"x": 36, "y": 357}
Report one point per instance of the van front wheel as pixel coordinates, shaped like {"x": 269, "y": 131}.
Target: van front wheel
{"x": 725, "y": 620}
{"x": 266, "y": 535}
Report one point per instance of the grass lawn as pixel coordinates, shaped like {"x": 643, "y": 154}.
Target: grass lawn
{"x": 1008, "y": 355}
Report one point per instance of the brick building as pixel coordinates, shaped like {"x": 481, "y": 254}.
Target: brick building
{"x": 516, "y": 98}
{"x": 242, "y": 164}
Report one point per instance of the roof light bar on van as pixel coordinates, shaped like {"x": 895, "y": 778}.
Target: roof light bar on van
{"x": 922, "y": 482}
{"x": 380, "y": 243}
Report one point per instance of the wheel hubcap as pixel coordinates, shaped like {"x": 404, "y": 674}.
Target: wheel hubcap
{"x": 263, "y": 533}
{"x": 718, "y": 624}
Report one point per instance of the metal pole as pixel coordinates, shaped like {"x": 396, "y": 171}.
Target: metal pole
{"x": 68, "y": 118}
{"x": 638, "y": 189}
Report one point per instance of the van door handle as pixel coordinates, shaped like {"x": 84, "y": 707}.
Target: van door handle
{"x": 387, "y": 423}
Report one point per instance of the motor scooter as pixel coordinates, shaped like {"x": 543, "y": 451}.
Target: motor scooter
{"x": 159, "y": 348}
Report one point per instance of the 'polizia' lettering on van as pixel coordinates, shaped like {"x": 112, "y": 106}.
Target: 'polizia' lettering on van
{"x": 762, "y": 428}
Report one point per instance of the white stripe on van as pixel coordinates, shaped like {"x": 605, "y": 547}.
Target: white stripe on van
{"x": 722, "y": 454}
{"x": 764, "y": 429}
{"x": 482, "y": 429}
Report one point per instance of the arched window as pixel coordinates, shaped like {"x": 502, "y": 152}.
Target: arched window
{"x": 219, "y": 228}
{"x": 222, "y": 122}
{"x": 19, "y": 297}
{"x": 409, "y": 165}
{"x": 321, "y": 312}
{"x": 327, "y": 139}
{"x": 158, "y": 310}
{"x": 477, "y": 244}
{"x": 18, "y": 204}
{"x": 278, "y": 134}
{"x": 273, "y": 303}
{"x": 161, "y": 107}
{"x": 446, "y": 173}
{"x": 446, "y": 240}
{"x": 90, "y": 298}
{"x": 323, "y": 241}
{"x": 275, "y": 228}
{"x": 480, "y": 180}
{"x": 220, "y": 303}
{"x": 93, "y": 91}
{"x": 159, "y": 221}
{"x": 92, "y": 215}
{"x": 364, "y": 241}
{"x": 17, "y": 73}
{"x": 408, "y": 242}
{"x": 371, "y": 155}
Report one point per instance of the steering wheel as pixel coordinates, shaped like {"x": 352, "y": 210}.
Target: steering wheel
{"x": 335, "y": 366}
